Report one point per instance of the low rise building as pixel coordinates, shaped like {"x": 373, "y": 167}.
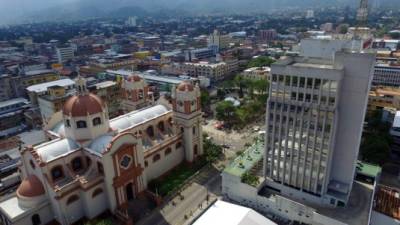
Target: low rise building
{"x": 386, "y": 206}
{"x": 386, "y": 75}
{"x": 257, "y": 73}
{"x": 53, "y": 101}
{"x": 22, "y": 82}
{"x": 38, "y": 90}
{"x": 12, "y": 116}
{"x": 111, "y": 93}
{"x": 381, "y": 97}
{"x": 214, "y": 71}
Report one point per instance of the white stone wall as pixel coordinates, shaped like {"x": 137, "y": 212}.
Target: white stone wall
{"x": 166, "y": 162}
{"x": 246, "y": 195}
{"x": 44, "y": 212}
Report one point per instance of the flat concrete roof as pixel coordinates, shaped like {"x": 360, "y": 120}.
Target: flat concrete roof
{"x": 368, "y": 169}
{"x": 357, "y": 210}
{"x": 38, "y": 88}
{"x": 247, "y": 160}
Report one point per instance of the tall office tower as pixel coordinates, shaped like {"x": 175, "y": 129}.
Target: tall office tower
{"x": 315, "y": 116}
{"x": 362, "y": 13}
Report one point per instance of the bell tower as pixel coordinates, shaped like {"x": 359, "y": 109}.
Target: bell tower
{"x": 188, "y": 117}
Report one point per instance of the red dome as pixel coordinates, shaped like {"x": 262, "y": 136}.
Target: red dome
{"x": 185, "y": 86}
{"x": 31, "y": 187}
{"x": 83, "y": 105}
{"x": 134, "y": 78}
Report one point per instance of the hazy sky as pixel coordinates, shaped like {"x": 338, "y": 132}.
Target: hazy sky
{"x": 15, "y": 8}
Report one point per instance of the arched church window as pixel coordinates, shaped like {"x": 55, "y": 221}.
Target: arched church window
{"x": 57, "y": 173}
{"x": 156, "y": 158}
{"x": 77, "y": 164}
{"x": 96, "y": 121}
{"x": 97, "y": 192}
{"x": 67, "y": 123}
{"x": 81, "y": 124}
{"x": 72, "y": 199}
{"x": 161, "y": 126}
{"x": 150, "y": 131}
{"x": 168, "y": 151}
{"x": 36, "y": 219}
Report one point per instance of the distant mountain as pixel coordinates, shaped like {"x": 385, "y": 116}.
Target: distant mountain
{"x": 39, "y": 10}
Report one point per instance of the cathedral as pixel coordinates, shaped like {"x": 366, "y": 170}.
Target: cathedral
{"x": 94, "y": 164}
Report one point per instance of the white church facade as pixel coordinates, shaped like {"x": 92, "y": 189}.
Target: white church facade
{"x": 94, "y": 164}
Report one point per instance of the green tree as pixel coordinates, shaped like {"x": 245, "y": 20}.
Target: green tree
{"x": 260, "y": 62}
{"x": 211, "y": 151}
{"x": 375, "y": 149}
{"x": 226, "y": 111}
{"x": 260, "y": 86}
{"x": 250, "y": 179}
{"x": 343, "y": 28}
{"x": 205, "y": 99}
{"x": 240, "y": 83}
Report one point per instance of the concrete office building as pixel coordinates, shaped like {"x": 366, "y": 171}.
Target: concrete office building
{"x": 386, "y": 75}
{"x": 315, "y": 116}
{"x": 64, "y": 54}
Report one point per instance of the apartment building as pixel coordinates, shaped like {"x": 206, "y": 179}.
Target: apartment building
{"x": 257, "y": 73}
{"x": 386, "y": 75}
{"x": 213, "y": 71}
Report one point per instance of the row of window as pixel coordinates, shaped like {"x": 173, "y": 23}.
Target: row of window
{"x": 77, "y": 165}
{"x": 305, "y": 82}
{"x": 167, "y": 152}
{"x": 82, "y": 124}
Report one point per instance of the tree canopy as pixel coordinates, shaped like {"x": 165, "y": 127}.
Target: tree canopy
{"x": 260, "y": 61}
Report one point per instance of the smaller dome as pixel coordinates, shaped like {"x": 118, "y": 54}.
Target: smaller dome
{"x": 185, "y": 86}
{"x": 31, "y": 187}
{"x": 134, "y": 78}
{"x": 83, "y": 105}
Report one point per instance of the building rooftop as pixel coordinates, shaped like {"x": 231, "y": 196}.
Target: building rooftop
{"x": 227, "y": 213}
{"x": 358, "y": 207}
{"x": 39, "y": 88}
{"x": 38, "y": 72}
{"x": 247, "y": 160}
{"x": 368, "y": 169}
{"x": 13, "y": 102}
{"x": 387, "y": 201}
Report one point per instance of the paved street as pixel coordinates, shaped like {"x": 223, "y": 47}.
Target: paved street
{"x": 208, "y": 182}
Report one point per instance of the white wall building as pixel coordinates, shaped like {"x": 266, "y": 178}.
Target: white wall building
{"x": 315, "y": 116}
{"x": 213, "y": 71}
{"x": 94, "y": 164}
{"x": 64, "y": 54}
{"x": 257, "y": 73}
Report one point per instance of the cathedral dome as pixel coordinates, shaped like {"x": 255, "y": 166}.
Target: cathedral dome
{"x": 134, "y": 78}
{"x": 83, "y": 105}
{"x": 185, "y": 86}
{"x": 31, "y": 187}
